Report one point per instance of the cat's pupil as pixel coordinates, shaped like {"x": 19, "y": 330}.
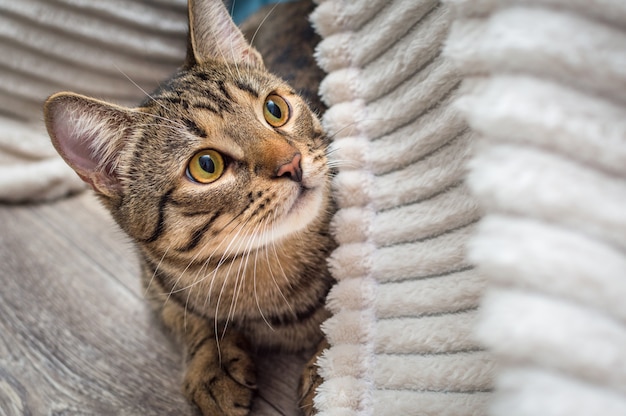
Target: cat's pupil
{"x": 207, "y": 164}
{"x": 274, "y": 109}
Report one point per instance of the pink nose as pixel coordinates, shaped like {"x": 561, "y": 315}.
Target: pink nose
{"x": 292, "y": 169}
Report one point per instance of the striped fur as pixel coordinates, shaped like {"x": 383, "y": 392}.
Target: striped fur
{"x": 235, "y": 265}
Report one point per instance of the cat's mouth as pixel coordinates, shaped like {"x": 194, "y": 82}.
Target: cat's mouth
{"x": 299, "y": 210}
{"x": 301, "y": 196}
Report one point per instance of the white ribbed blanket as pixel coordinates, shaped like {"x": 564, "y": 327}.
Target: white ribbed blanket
{"x": 87, "y": 46}
{"x": 523, "y": 101}
{"x": 406, "y": 298}
{"x": 545, "y": 91}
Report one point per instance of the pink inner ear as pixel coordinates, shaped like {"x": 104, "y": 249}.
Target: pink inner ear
{"x": 73, "y": 134}
{"x": 88, "y": 135}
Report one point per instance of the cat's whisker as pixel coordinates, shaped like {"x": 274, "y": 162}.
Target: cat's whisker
{"x": 256, "y": 294}
{"x": 175, "y": 123}
{"x": 156, "y": 269}
{"x": 121, "y": 71}
{"x": 331, "y": 137}
{"x": 282, "y": 270}
{"x": 229, "y": 66}
{"x": 219, "y": 39}
{"x": 250, "y": 240}
{"x": 256, "y": 235}
{"x": 352, "y": 125}
{"x": 237, "y": 67}
{"x": 200, "y": 275}
{"x": 213, "y": 273}
{"x": 222, "y": 260}
{"x": 143, "y": 90}
{"x": 271, "y": 242}
{"x": 196, "y": 280}
{"x": 236, "y": 286}
{"x": 232, "y": 47}
{"x": 262, "y": 22}
{"x": 342, "y": 163}
{"x": 176, "y": 128}
{"x": 360, "y": 121}
{"x": 180, "y": 277}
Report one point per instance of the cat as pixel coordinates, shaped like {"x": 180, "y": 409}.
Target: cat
{"x": 221, "y": 177}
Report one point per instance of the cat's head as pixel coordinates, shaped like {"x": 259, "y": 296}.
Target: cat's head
{"x": 222, "y": 157}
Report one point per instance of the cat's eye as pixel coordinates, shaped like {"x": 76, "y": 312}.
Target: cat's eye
{"x": 276, "y": 110}
{"x": 205, "y": 166}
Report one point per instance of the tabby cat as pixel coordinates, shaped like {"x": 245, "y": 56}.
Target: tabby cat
{"x": 221, "y": 178}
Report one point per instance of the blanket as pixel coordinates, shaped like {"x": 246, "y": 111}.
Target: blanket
{"x": 114, "y": 50}
{"x": 407, "y": 295}
{"x": 545, "y": 92}
{"x": 424, "y": 285}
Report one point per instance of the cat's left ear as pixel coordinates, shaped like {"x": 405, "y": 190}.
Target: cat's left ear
{"x": 89, "y": 135}
{"x": 214, "y": 36}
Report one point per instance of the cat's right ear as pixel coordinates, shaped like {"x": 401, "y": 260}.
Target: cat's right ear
{"x": 214, "y": 36}
{"x": 89, "y": 134}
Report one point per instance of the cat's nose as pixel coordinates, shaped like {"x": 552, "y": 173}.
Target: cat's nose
{"x": 292, "y": 169}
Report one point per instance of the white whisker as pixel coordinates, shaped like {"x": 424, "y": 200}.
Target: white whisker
{"x": 222, "y": 261}
{"x": 262, "y": 22}
{"x": 156, "y": 269}
{"x": 241, "y": 271}
{"x": 280, "y": 292}
{"x": 145, "y": 92}
{"x": 256, "y": 294}
{"x": 278, "y": 257}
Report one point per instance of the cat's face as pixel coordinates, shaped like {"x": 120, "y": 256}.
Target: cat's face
{"x": 245, "y": 159}
{"x": 222, "y": 159}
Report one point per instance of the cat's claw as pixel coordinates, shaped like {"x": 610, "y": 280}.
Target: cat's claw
{"x": 310, "y": 381}
{"x": 225, "y": 388}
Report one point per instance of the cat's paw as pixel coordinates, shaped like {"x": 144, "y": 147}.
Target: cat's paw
{"x": 310, "y": 381}
{"x": 221, "y": 382}
{"x": 308, "y": 385}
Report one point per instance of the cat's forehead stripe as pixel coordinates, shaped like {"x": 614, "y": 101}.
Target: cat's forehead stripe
{"x": 244, "y": 86}
{"x": 203, "y": 126}
{"x": 195, "y": 129}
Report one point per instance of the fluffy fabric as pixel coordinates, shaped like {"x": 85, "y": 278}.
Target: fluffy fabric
{"x": 115, "y": 50}
{"x": 544, "y": 93}
{"x": 405, "y": 302}
{"x": 545, "y": 89}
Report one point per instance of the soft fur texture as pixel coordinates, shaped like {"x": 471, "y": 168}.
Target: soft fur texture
{"x": 221, "y": 179}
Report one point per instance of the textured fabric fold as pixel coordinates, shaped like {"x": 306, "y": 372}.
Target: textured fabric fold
{"x": 544, "y": 91}
{"x": 115, "y": 50}
{"x": 404, "y": 307}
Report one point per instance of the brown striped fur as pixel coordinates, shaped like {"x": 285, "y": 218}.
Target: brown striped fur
{"x": 234, "y": 265}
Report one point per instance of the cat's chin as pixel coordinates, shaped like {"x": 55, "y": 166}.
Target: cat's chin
{"x": 299, "y": 213}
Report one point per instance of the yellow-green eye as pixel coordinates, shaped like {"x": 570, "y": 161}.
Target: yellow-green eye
{"x": 205, "y": 166}
{"x": 276, "y": 110}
